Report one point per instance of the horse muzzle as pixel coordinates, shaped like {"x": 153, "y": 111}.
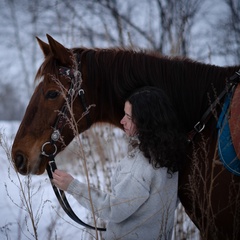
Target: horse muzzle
{"x": 22, "y": 164}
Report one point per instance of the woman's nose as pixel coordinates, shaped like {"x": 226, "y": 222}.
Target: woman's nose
{"x": 122, "y": 121}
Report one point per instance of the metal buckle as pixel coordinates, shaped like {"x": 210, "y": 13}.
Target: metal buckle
{"x": 199, "y": 127}
{"x": 71, "y": 92}
{"x": 81, "y": 92}
{"x": 55, "y": 135}
{"x": 52, "y": 165}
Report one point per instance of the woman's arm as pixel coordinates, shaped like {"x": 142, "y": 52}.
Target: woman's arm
{"x": 129, "y": 195}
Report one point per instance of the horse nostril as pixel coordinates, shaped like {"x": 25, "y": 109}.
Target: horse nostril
{"x": 20, "y": 161}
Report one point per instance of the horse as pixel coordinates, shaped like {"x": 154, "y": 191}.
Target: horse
{"x": 94, "y": 84}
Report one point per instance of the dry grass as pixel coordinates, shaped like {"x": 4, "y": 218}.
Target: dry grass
{"x": 102, "y": 147}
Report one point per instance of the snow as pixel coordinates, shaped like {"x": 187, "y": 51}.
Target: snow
{"x": 27, "y": 198}
{"x": 50, "y": 220}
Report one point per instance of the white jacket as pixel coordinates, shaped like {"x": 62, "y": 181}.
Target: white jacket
{"x": 142, "y": 202}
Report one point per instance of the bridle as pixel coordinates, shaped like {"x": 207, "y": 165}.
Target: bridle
{"x": 75, "y": 77}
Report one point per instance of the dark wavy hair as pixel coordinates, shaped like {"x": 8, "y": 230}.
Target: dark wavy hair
{"x": 161, "y": 140}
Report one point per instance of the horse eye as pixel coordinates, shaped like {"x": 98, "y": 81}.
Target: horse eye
{"x": 52, "y": 94}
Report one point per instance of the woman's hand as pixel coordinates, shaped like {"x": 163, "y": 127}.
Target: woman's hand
{"x": 61, "y": 179}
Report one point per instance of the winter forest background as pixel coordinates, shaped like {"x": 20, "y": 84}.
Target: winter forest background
{"x": 204, "y": 30}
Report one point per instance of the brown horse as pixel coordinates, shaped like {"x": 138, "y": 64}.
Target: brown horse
{"x": 102, "y": 79}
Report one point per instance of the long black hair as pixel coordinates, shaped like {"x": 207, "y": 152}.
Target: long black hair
{"x": 161, "y": 140}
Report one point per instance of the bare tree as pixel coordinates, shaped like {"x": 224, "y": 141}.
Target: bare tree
{"x": 168, "y": 26}
{"x": 161, "y": 25}
{"x": 227, "y": 34}
{"x": 233, "y": 27}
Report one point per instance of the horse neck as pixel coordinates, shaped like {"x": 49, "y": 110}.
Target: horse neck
{"x": 114, "y": 74}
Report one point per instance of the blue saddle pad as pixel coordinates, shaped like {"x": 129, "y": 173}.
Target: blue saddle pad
{"x": 226, "y": 149}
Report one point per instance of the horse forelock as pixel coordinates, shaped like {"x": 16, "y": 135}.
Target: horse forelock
{"x": 48, "y": 66}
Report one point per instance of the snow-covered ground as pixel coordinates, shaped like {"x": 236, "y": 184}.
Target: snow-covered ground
{"x": 28, "y": 206}
{"x": 49, "y": 219}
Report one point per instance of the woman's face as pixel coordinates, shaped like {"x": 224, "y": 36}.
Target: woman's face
{"x": 128, "y": 125}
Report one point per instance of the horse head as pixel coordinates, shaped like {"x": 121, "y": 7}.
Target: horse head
{"x": 54, "y": 115}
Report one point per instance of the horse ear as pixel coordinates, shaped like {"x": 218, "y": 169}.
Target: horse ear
{"x": 44, "y": 46}
{"x": 62, "y": 54}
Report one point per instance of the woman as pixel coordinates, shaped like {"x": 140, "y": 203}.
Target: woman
{"x": 144, "y": 186}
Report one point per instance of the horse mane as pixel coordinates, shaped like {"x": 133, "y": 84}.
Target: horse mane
{"x": 187, "y": 83}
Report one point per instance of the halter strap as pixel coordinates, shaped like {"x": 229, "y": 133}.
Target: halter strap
{"x": 76, "y": 79}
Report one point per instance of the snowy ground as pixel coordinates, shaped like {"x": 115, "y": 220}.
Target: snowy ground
{"x": 15, "y": 220}
{"x": 28, "y": 206}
